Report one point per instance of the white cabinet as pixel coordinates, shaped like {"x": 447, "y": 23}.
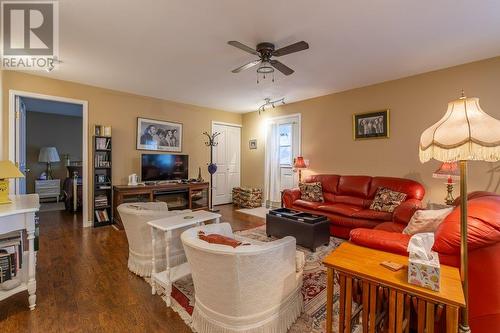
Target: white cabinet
{"x": 50, "y": 188}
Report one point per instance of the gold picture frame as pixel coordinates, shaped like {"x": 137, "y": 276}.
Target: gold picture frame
{"x": 371, "y": 125}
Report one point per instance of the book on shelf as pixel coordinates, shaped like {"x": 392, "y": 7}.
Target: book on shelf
{"x": 11, "y": 254}
{"x": 102, "y": 143}
{"x": 102, "y": 215}
{"x": 102, "y": 160}
{"x": 101, "y": 201}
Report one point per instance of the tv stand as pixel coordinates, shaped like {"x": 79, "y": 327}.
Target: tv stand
{"x": 177, "y": 196}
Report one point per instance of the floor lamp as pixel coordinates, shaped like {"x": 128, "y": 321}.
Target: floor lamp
{"x": 464, "y": 133}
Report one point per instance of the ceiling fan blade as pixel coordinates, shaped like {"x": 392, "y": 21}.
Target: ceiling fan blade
{"x": 299, "y": 46}
{"x": 247, "y": 66}
{"x": 243, "y": 47}
{"x": 281, "y": 67}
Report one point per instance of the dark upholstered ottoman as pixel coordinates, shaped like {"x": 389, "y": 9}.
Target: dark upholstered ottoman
{"x": 309, "y": 230}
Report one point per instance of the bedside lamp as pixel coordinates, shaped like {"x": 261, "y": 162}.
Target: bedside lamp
{"x": 450, "y": 171}
{"x": 464, "y": 133}
{"x": 7, "y": 170}
{"x": 299, "y": 164}
{"x": 48, "y": 155}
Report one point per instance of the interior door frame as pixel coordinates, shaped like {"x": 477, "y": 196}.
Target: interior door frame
{"x": 272, "y": 119}
{"x": 215, "y": 122}
{"x": 85, "y": 140}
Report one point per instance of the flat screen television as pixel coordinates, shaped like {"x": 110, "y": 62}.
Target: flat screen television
{"x": 157, "y": 167}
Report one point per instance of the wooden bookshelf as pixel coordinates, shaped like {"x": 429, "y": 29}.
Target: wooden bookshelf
{"x": 102, "y": 200}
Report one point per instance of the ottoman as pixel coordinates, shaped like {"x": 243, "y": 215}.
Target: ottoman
{"x": 310, "y": 230}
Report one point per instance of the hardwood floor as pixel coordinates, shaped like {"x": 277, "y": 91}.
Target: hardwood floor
{"x": 83, "y": 284}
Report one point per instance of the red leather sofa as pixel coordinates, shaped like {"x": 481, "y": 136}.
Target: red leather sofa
{"x": 484, "y": 254}
{"x": 348, "y": 199}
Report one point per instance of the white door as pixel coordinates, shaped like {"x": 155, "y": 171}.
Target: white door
{"x": 227, "y": 158}
{"x": 282, "y": 146}
{"x": 20, "y": 135}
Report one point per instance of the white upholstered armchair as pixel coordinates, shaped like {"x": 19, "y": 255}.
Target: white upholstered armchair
{"x": 250, "y": 288}
{"x": 135, "y": 218}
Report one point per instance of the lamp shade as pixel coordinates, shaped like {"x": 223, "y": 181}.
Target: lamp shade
{"x": 299, "y": 163}
{"x": 447, "y": 170}
{"x": 464, "y": 133}
{"x": 48, "y": 155}
{"x": 9, "y": 170}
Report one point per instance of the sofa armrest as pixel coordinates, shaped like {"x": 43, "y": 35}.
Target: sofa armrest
{"x": 381, "y": 240}
{"x": 403, "y": 213}
{"x": 289, "y": 196}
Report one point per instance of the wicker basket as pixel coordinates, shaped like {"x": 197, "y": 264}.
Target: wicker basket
{"x": 247, "y": 197}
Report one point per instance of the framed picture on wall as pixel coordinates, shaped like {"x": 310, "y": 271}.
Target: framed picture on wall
{"x": 159, "y": 135}
{"x": 371, "y": 125}
{"x": 252, "y": 144}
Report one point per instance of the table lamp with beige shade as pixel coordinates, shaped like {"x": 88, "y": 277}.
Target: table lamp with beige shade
{"x": 464, "y": 133}
{"x": 7, "y": 170}
{"x": 48, "y": 155}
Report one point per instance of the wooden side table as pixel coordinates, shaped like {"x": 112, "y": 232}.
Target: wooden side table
{"x": 386, "y": 296}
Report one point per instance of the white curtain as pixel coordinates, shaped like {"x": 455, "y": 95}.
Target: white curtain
{"x": 272, "y": 176}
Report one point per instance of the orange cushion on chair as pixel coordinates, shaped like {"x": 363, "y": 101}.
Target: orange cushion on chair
{"x": 219, "y": 239}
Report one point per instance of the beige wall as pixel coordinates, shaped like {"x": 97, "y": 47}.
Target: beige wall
{"x": 120, "y": 110}
{"x": 415, "y": 103}
{"x": 51, "y": 130}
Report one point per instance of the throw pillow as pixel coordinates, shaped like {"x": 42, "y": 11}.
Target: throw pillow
{"x": 426, "y": 220}
{"x": 387, "y": 200}
{"x": 311, "y": 192}
{"x": 219, "y": 239}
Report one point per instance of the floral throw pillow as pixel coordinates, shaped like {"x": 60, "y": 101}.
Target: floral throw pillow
{"x": 311, "y": 192}
{"x": 387, "y": 200}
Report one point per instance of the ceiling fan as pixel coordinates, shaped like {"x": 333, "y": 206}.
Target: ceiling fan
{"x": 265, "y": 51}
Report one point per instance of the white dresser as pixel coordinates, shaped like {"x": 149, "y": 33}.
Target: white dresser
{"x": 20, "y": 215}
{"x": 50, "y": 188}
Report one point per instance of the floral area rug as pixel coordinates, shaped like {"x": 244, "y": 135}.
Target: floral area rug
{"x": 313, "y": 318}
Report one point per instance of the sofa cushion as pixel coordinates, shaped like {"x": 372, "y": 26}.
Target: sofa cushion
{"x": 350, "y": 200}
{"x": 373, "y": 215}
{"x": 386, "y": 200}
{"x": 391, "y": 227}
{"x": 307, "y": 204}
{"x": 413, "y": 189}
{"x": 328, "y": 182}
{"x": 426, "y": 220}
{"x": 357, "y": 186}
{"x": 311, "y": 192}
{"x": 352, "y": 222}
{"x": 339, "y": 208}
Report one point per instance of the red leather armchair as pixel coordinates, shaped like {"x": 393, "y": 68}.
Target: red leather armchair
{"x": 484, "y": 254}
{"x": 348, "y": 199}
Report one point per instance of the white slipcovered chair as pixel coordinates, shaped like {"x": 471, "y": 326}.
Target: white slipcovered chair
{"x": 248, "y": 289}
{"x": 135, "y": 218}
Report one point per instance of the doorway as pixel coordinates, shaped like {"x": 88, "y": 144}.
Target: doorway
{"x": 283, "y": 141}
{"x": 48, "y": 141}
{"x": 227, "y": 154}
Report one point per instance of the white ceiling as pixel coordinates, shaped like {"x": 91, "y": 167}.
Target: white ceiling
{"x": 176, "y": 50}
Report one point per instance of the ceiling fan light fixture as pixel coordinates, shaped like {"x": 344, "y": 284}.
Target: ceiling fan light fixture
{"x": 265, "y": 68}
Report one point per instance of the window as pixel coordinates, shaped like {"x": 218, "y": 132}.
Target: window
{"x": 285, "y": 145}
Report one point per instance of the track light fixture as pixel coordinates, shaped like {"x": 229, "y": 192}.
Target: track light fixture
{"x": 268, "y": 103}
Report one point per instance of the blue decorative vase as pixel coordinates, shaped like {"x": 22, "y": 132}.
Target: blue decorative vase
{"x": 212, "y": 168}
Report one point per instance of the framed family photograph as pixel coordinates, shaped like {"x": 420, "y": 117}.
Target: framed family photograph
{"x": 371, "y": 125}
{"x": 159, "y": 135}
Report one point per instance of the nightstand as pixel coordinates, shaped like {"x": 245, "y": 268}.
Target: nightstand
{"x": 50, "y": 188}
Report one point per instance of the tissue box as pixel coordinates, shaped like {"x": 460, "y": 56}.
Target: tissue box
{"x": 424, "y": 273}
